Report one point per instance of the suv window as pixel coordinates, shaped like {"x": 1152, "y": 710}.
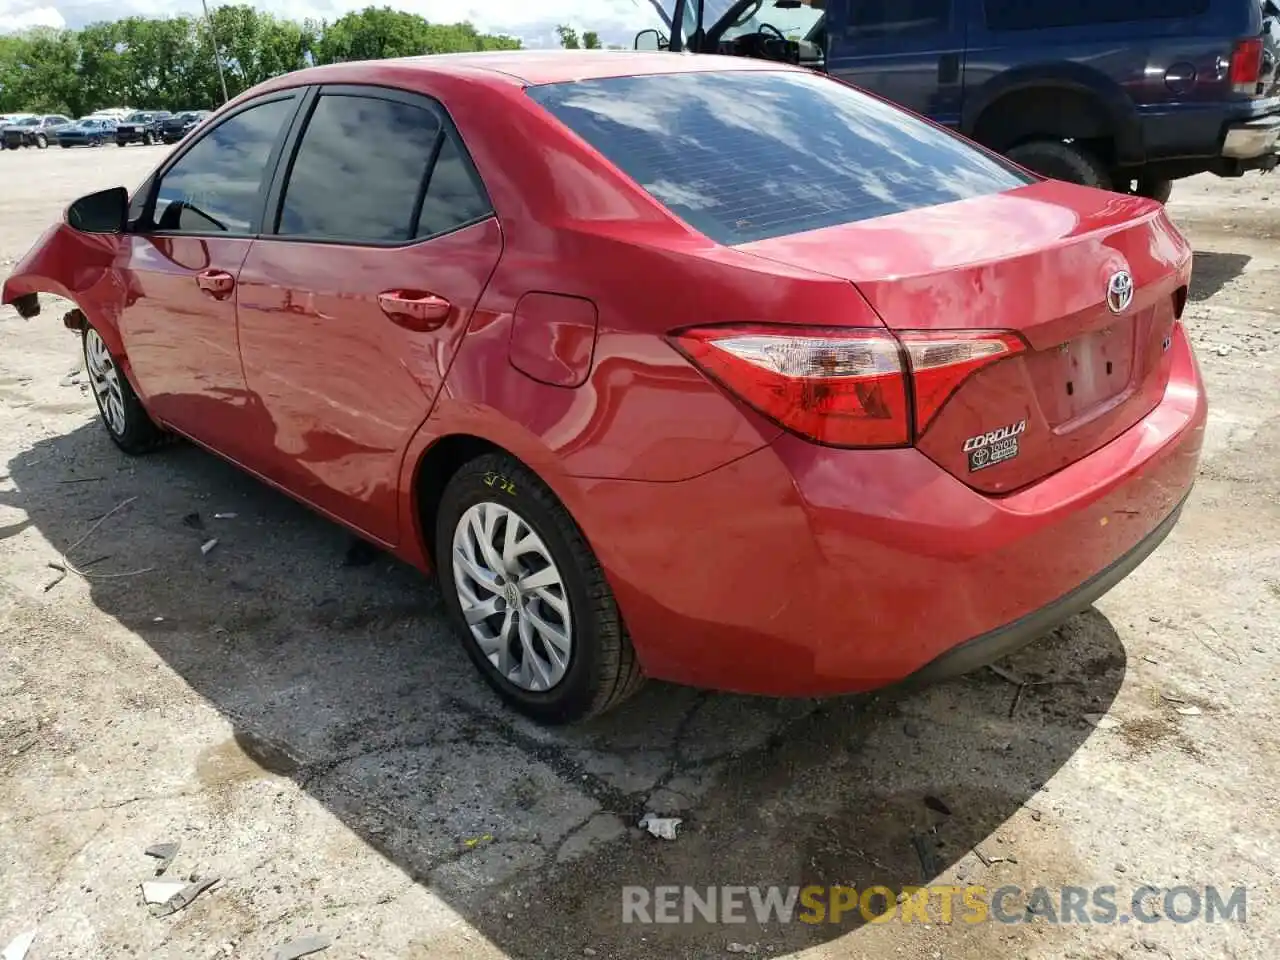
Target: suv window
{"x": 898, "y": 18}
{"x": 214, "y": 186}
{"x": 359, "y": 170}
{"x": 746, "y": 155}
{"x": 1021, "y": 15}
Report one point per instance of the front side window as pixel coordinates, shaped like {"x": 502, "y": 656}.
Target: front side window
{"x": 746, "y": 155}
{"x": 359, "y": 170}
{"x": 214, "y": 187}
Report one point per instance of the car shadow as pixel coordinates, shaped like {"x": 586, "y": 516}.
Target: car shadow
{"x": 1211, "y": 271}
{"x": 345, "y": 677}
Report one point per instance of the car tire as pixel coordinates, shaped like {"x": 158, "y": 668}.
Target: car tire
{"x": 1062, "y": 161}
{"x": 65, "y": 146}
{"x": 599, "y": 669}
{"x": 125, "y": 419}
{"x": 41, "y": 141}
{"x": 148, "y": 139}
{"x": 121, "y": 143}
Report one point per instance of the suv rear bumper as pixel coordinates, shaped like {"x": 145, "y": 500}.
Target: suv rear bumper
{"x": 1249, "y": 141}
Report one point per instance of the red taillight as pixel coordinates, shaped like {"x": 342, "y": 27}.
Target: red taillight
{"x": 840, "y": 387}
{"x": 942, "y": 360}
{"x": 844, "y": 387}
{"x": 1246, "y": 65}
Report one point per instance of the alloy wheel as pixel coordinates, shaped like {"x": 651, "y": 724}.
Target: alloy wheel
{"x": 513, "y": 597}
{"x": 105, "y": 377}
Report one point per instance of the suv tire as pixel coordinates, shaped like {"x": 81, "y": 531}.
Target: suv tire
{"x": 1154, "y": 188}
{"x": 41, "y": 141}
{"x": 1062, "y": 161}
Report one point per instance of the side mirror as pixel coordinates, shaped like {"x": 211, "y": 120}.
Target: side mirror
{"x": 103, "y": 212}
{"x": 648, "y": 40}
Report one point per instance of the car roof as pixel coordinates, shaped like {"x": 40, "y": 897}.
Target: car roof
{"x": 535, "y": 67}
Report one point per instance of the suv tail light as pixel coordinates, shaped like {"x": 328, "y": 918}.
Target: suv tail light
{"x": 1246, "y": 65}
{"x": 843, "y": 387}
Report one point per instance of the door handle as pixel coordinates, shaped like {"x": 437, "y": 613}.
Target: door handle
{"x": 217, "y": 283}
{"x": 949, "y": 68}
{"x": 415, "y": 310}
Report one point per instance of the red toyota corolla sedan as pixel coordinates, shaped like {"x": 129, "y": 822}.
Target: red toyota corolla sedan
{"x": 703, "y": 369}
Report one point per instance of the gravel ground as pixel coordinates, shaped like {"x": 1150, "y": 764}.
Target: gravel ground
{"x": 310, "y": 732}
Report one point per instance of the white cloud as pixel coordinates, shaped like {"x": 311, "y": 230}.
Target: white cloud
{"x": 532, "y": 20}
{"x": 21, "y": 16}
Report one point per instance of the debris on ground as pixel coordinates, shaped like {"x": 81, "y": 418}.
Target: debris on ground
{"x": 164, "y": 852}
{"x": 225, "y": 516}
{"x": 937, "y": 806}
{"x": 472, "y": 842}
{"x": 19, "y": 945}
{"x": 160, "y": 892}
{"x": 180, "y": 900}
{"x": 742, "y": 948}
{"x": 924, "y": 851}
{"x": 1191, "y": 711}
{"x": 301, "y": 947}
{"x": 1171, "y": 697}
{"x": 664, "y": 828}
{"x": 1102, "y": 721}
{"x": 208, "y": 545}
{"x": 82, "y": 479}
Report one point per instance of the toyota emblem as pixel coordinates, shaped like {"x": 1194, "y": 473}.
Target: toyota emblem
{"x": 1120, "y": 291}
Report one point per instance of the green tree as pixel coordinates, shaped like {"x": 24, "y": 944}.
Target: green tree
{"x": 172, "y": 62}
{"x": 568, "y": 37}
{"x": 591, "y": 40}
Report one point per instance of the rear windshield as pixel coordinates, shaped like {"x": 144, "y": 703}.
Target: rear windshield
{"x": 744, "y": 155}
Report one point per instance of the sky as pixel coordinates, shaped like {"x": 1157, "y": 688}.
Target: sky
{"x": 534, "y": 21}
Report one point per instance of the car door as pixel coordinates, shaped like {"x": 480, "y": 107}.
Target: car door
{"x": 909, "y": 51}
{"x": 191, "y": 227}
{"x": 349, "y": 314}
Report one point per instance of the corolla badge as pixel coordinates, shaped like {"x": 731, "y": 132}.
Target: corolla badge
{"x": 1120, "y": 291}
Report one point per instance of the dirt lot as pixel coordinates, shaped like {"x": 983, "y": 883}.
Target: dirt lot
{"x": 309, "y": 731}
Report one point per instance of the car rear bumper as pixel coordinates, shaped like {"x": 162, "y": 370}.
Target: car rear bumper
{"x": 805, "y": 571}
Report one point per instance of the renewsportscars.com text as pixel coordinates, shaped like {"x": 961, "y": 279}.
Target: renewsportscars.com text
{"x": 933, "y": 904}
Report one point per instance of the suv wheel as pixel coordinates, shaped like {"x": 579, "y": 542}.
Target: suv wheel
{"x": 1062, "y": 161}
{"x": 41, "y": 141}
{"x": 148, "y": 139}
{"x": 527, "y": 595}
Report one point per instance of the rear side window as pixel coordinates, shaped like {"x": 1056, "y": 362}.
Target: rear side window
{"x": 358, "y": 170}
{"x": 744, "y": 156}
{"x": 1021, "y": 15}
{"x": 371, "y": 170}
{"x": 898, "y": 18}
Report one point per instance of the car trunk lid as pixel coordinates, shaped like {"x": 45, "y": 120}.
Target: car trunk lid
{"x": 1039, "y": 261}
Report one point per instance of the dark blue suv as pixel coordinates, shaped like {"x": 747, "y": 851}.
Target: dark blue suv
{"x": 1127, "y": 95}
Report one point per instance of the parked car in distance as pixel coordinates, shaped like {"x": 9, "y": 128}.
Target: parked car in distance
{"x": 87, "y": 132}
{"x": 141, "y": 127}
{"x": 1123, "y": 96}
{"x": 34, "y": 131}
{"x": 174, "y": 128}
{"x": 912, "y": 407}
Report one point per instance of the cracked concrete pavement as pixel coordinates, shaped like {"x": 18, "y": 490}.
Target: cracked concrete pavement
{"x": 310, "y": 732}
